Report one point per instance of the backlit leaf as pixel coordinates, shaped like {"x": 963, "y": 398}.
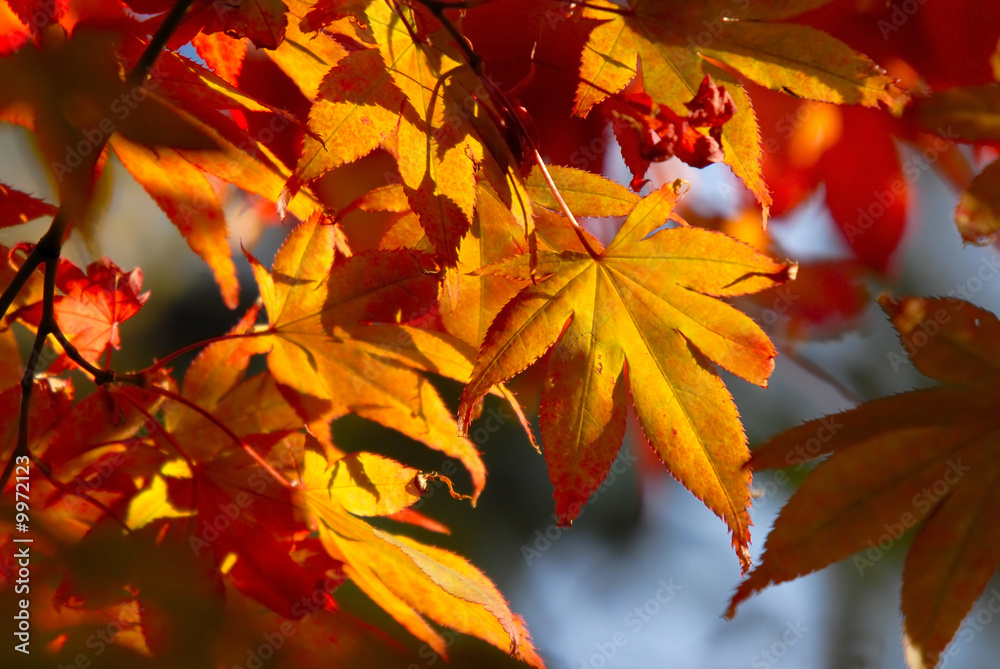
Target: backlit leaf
{"x": 924, "y": 459}
{"x": 313, "y": 311}
{"x": 641, "y": 318}
{"x": 411, "y": 580}
{"x": 672, "y": 42}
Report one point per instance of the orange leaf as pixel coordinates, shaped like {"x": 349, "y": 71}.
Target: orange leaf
{"x": 263, "y": 22}
{"x": 978, "y": 212}
{"x": 17, "y": 207}
{"x": 187, "y": 198}
{"x": 222, "y": 53}
{"x": 314, "y": 315}
{"x": 92, "y": 307}
{"x": 356, "y": 107}
{"x": 366, "y": 484}
{"x": 926, "y": 458}
{"x": 673, "y": 42}
{"x": 406, "y": 578}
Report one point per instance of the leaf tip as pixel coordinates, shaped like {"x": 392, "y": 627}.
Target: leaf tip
{"x": 790, "y": 272}
{"x": 743, "y": 553}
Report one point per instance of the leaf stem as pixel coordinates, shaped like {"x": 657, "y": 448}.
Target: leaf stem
{"x": 207, "y": 415}
{"x": 565, "y": 208}
{"x": 159, "y": 364}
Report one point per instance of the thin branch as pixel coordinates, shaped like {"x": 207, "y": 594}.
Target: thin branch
{"x": 48, "y": 248}
{"x": 159, "y": 40}
{"x": 101, "y": 376}
{"x": 28, "y": 378}
{"x": 30, "y": 264}
{"x": 475, "y": 61}
{"x": 169, "y": 394}
{"x": 159, "y": 364}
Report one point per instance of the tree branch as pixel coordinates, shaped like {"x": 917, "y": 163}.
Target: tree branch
{"x": 159, "y": 40}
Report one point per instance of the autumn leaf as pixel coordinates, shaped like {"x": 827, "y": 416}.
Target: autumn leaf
{"x": 216, "y": 383}
{"x": 17, "y": 207}
{"x": 92, "y": 307}
{"x": 313, "y": 313}
{"x": 585, "y": 193}
{"x": 152, "y": 504}
{"x": 206, "y": 508}
{"x": 673, "y": 42}
{"x": 408, "y": 579}
{"x": 356, "y": 108}
{"x": 926, "y": 459}
{"x": 185, "y": 195}
{"x": 263, "y": 22}
{"x": 450, "y": 128}
{"x": 222, "y": 53}
{"x": 96, "y": 304}
{"x": 640, "y": 318}
{"x": 978, "y": 212}
{"x": 366, "y": 484}
{"x": 308, "y": 52}
{"x": 970, "y": 114}
{"x": 649, "y": 132}
{"x": 808, "y": 143}
{"x": 493, "y": 236}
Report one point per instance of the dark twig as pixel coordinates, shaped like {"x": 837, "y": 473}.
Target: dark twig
{"x": 28, "y": 378}
{"x": 475, "y": 62}
{"x": 159, "y": 40}
{"x": 48, "y": 251}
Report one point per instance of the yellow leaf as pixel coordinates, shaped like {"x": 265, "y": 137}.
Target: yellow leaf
{"x": 642, "y": 313}
{"x": 187, "y": 198}
{"x": 672, "y": 41}
{"x": 152, "y": 504}
{"x": 316, "y": 318}
{"x": 408, "y": 579}
{"x": 366, "y": 484}
{"x": 356, "y": 107}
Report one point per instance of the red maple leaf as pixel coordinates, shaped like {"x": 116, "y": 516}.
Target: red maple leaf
{"x": 91, "y": 306}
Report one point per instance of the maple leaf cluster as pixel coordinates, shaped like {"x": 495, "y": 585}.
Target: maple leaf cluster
{"x": 422, "y": 166}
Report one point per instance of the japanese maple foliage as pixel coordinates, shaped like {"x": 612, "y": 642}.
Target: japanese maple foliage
{"x": 432, "y": 162}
